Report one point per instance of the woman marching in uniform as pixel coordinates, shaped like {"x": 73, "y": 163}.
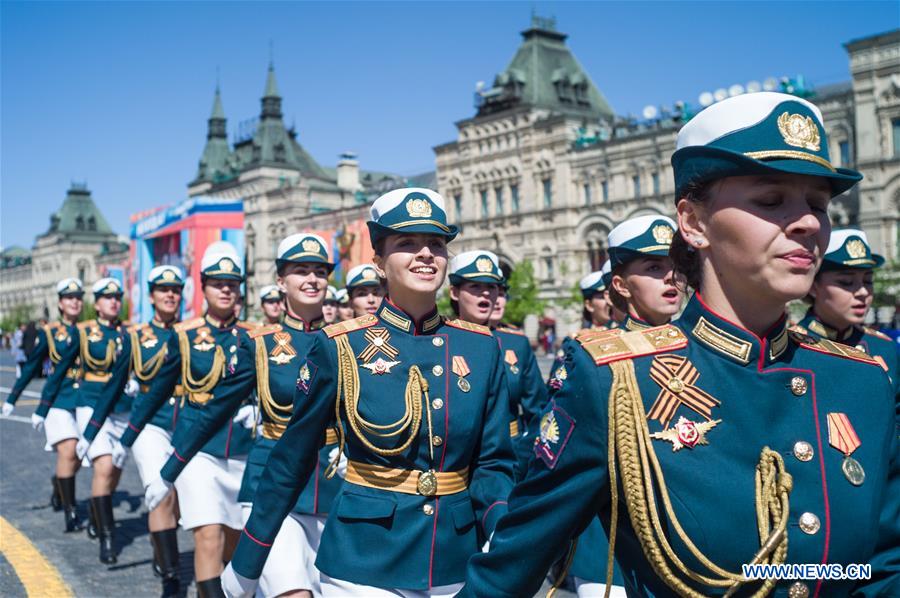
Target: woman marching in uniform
{"x": 842, "y": 295}
{"x": 272, "y": 304}
{"x": 365, "y": 288}
{"x": 268, "y": 362}
{"x": 199, "y": 355}
{"x": 476, "y": 281}
{"x": 722, "y": 439}
{"x": 595, "y": 311}
{"x": 330, "y": 306}
{"x": 98, "y": 345}
{"x": 424, "y": 402}
{"x": 59, "y": 422}
{"x": 345, "y": 310}
{"x": 142, "y": 358}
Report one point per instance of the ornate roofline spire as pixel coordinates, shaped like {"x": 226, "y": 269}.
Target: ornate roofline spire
{"x": 271, "y": 101}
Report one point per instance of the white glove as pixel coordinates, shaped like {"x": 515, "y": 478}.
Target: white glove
{"x": 7, "y": 409}
{"x": 342, "y": 462}
{"x": 156, "y": 492}
{"x": 132, "y": 387}
{"x": 119, "y": 454}
{"x": 235, "y": 585}
{"x": 37, "y": 422}
{"x": 81, "y": 448}
{"x": 246, "y": 416}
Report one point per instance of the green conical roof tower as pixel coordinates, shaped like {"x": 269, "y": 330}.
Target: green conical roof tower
{"x": 214, "y": 163}
{"x": 79, "y": 216}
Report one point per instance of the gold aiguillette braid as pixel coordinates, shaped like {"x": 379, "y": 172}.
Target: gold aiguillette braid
{"x": 207, "y": 382}
{"x": 631, "y": 450}
{"x": 51, "y": 345}
{"x": 145, "y": 372}
{"x": 278, "y": 413}
{"x": 348, "y": 392}
{"x": 89, "y": 360}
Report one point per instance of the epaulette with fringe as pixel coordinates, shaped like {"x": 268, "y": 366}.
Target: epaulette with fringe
{"x": 463, "y": 325}
{"x": 339, "y": 328}
{"x": 510, "y": 330}
{"x": 264, "y": 330}
{"x": 877, "y": 334}
{"x": 189, "y": 324}
{"x": 829, "y": 347}
{"x": 606, "y": 346}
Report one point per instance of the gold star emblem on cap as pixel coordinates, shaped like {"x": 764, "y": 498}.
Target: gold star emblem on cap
{"x": 663, "y": 234}
{"x": 168, "y": 275}
{"x": 855, "y": 248}
{"x": 799, "y": 131}
{"x": 369, "y": 274}
{"x": 226, "y": 265}
{"x": 484, "y": 264}
{"x": 73, "y": 286}
{"x": 311, "y": 245}
{"x": 418, "y": 208}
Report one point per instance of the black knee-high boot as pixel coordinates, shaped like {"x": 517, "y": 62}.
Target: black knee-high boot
{"x": 92, "y": 521}
{"x": 106, "y": 524}
{"x": 66, "y": 489}
{"x": 210, "y": 588}
{"x": 55, "y": 498}
{"x": 166, "y": 557}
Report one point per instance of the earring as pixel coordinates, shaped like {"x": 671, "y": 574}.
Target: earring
{"x": 698, "y": 242}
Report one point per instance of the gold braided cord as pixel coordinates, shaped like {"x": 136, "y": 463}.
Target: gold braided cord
{"x": 348, "y": 392}
{"x": 631, "y": 447}
{"x": 96, "y": 364}
{"x": 207, "y": 382}
{"x": 145, "y": 371}
{"x": 278, "y": 413}
{"x": 51, "y": 345}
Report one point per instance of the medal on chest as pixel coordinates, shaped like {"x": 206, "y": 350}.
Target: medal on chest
{"x": 204, "y": 340}
{"x": 461, "y": 369}
{"x": 842, "y": 436}
{"x": 677, "y": 377}
{"x": 95, "y": 335}
{"x": 283, "y": 351}
{"x": 511, "y": 360}
{"x": 148, "y": 338}
{"x": 378, "y": 340}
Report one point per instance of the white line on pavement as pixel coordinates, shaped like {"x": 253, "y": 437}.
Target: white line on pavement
{"x": 25, "y": 393}
{"x": 16, "y": 418}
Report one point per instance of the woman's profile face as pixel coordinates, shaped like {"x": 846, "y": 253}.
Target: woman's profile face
{"x": 763, "y": 235}
{"x": 842, "y": 297}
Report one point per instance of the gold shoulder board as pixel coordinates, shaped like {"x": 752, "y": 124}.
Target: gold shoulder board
{"x": 829, "y": 347}
{"x": 463, "y": 325}
{"x": 248, "y": 325}
{"x": 346, "y": 326}
{"x": 189, "y": 324}
{"x": 137, "y": 327}
{"x": 876, "y": 333}
{"x": 606, "y": 346}
{"x": 264, "y": 330}
{"x": 509, "y": 330}
{"x": 86, "y": 324}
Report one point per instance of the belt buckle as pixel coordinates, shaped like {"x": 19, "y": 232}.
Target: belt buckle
{"x": 427, "y": 483}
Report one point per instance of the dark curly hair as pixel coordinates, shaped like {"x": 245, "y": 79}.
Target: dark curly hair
{"x": 684, "y": 257}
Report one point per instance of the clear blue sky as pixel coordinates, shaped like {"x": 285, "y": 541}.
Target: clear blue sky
{"x": 117, "y": 93}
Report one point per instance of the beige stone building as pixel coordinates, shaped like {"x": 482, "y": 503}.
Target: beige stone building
{"x": 545, "y": 169}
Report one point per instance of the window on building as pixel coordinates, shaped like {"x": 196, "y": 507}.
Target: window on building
{"x": 484, "y": 203}
{"x": 91, "y": 223}
{"x": 548, "y": 268}
{"x": 636, "y": 184}
{"x": 587, "y": 194}
{"x": 605, "y": 188}
{"x": 548, "y": 192}
{"x": 457, "y": 203}
{"x": 514, "y": 196}
{"x": 845, "y": 153}
{"x": 498, "y": 195}
{"x": 596, "y": 254}
{"x": 79, "y": 223}
{"x": 895, "y": 125}
{"x": 655, "y": 183}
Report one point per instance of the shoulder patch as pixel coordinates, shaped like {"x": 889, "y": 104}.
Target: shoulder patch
{"x": 608, "y": 345}
{"x": 556, "y": 428}
{"x": 339, "y": 328}
{"x": 264, "y": 330}
{"x": 189, "y": 324}
{"x": 463, "y": 325}
{"x": 828, "y": 347}
{"x": 509, "y": 330}
{"x": 877, "y": 334}
{"x": 86, "y": 324}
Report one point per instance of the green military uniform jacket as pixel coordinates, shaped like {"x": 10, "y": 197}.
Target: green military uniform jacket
{"x": 527, "y": 393}
{"x": 735, "y": 395}
{"x": 880, "y": 346}
{"x": 376, "y": 535}
{"x": 200, "y": 353}
{"x": 268, "y": 359}
{"x": 144, "y": 351}
{"x": 56, "y": 337}
{"x": 97, "y": 344}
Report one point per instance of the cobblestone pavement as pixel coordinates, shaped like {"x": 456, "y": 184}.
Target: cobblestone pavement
{"x": 25, "y": 470}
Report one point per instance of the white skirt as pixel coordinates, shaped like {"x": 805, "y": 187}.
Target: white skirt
{"x": 592, "y": 589}
{"x": 291, "y": 564}
{"x": 338, "y": 588}
{"x": 60, "y": 425}
{"x": 112, "y": 429}
{"x": 208, "y": 490}
{"x": 151, "y": 450}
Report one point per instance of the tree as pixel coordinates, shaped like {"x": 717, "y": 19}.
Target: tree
{"x": 523, "y": 294}
{"x": 20, "y": 314}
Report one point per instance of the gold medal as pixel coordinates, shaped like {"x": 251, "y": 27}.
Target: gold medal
{"x": 463, "y": 384}
{"x": 426, "y": 485}
{"x": 853, "y": 471}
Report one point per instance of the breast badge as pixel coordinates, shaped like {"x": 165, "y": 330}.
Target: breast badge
{"x": 511, "y": 360}
{"x": 283, "y": 352}
{"x": 686, "y": 434}
{"x": 677, "y": 376}
{"x": 380, "y": 366}
{"x": 148, "y": 338}
{"x": 842, "y": 436}
{"x": 461, "y": 369}
{"x": 204, "y": 340}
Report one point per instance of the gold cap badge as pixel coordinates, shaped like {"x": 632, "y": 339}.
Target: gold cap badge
{"x": 799, "y": 131}
{"x": 855, "y": 248}
{"x": 369, "y": 274}
{"x": 484, "y": 264}
{"x": 418, "y": 208}
{"x": 168, "y": 275}
{"x": 226, "y": 265}
{"x": 663, "y": 234}
{"x": 73, "y": 286}
{"x": 311, "y": 245}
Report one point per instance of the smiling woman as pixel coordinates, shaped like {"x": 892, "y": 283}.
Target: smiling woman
{"x": 429, "y": 459}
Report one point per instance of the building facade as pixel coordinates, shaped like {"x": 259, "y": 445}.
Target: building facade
{"x": 545, "y": 169}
